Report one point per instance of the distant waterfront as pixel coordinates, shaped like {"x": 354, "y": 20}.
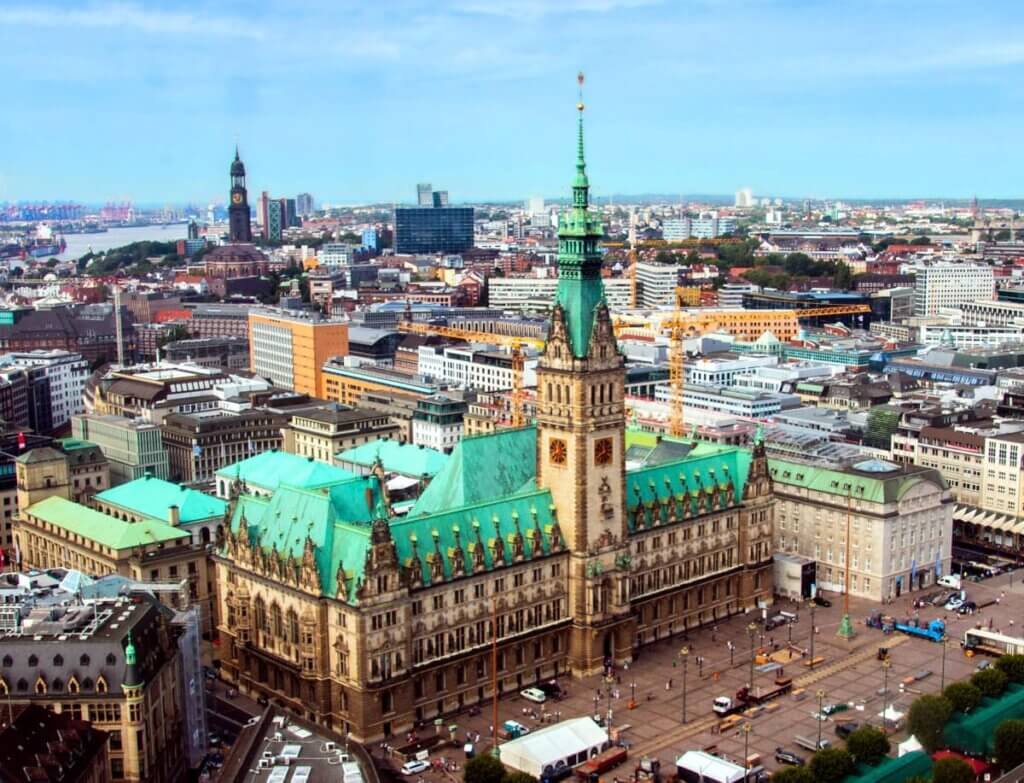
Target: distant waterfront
{"x": 80, "y": 244}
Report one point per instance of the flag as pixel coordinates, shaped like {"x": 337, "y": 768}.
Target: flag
{"x": 913, "y": 571}
{"x": 938, "y": 563}
{"x": 17, "y": 552}
{"x": 21, "y": 441}
{"x": 197, "y": 450}
{"x": 3, "y": 559}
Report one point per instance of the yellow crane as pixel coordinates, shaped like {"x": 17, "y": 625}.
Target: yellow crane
{"x": 515, "y": 344}
{"x": 676, "y": 376}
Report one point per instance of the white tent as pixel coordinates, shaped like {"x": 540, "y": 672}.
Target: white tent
{"x": 547, "y": 751}
{"x": 909, "y": 745}
{"x": 700, "y": 766}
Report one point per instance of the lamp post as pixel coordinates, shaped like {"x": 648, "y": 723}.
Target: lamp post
{"x": 632, "y": 691}
{"x": 685, "y": 655}
{"x": 790, "y": 630}
{"x": 747, "y": 728}
{"x": 812, "y": 606}
{"x": 821, "y": 695}
{"x": 752, "y": 630}
{"x": 885, "y": 692}
{"x": 597, "y": 701}
{"x": 942, "y": 684}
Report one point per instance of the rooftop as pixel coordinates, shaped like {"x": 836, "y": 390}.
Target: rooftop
{"x": 152, "y": 497}
{"x": 404, "y": 458}
{"x": 104, "y": 529}
{"x": 40, "y": 746}
{"x": 275, "y": 468}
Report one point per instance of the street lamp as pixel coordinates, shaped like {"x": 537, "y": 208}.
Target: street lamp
{"x": 812, "y": 606}
{"x": 942, "y": 685}
{"x": 685, "y": 655}
{"x": 790, "y": 630}
{"x": 752, "y": 630}
{"x": 821, "y": 695}
{"x": 747, "y": 728}
{"x": 885, "y": 691}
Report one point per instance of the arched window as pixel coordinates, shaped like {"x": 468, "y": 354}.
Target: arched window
{"x": 22, "y": 684}
{"x": 260, "y": 610}
{"x": 293, "y": 627}
{"x": 58, "y": 660}
{"x": 101, "y": 685}
{"x": 111, "y": 660}
{"x": 73, "y": 686}
{"x": 87, "y": 684}
{"x": 33, "y": 660}
{"x": 58, "y": 684}
{"x": 8, "y": 662}
{"x": 276, "y": 624}
{"x": 40, "y": 685}
{"x": 83, "y": 661}
{"x": 204, "y": 535}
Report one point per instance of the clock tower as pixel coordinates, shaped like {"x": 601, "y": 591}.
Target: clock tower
{"x": 239, "y": 226}
{"x": 581, "y": 436}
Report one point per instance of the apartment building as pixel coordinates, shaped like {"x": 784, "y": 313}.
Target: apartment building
{"x": 469, "y": 368}
{"x": 950, "y": 285}
{"x": 322, "y": 433}
{"x": 958, "y": 455}
{"x": 656, "y": 284}
{"x": 56, "y": 381}
{"x": 537, "y": 294}
{"x": 133, "y": 447}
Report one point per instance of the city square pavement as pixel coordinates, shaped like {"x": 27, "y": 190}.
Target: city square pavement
{"x": 849, "y": 671}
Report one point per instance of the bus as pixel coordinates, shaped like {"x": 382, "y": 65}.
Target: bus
{"x": 992, "y": 643}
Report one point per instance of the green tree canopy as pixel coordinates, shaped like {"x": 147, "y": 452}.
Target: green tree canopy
{"x": 991, "y": 682}
{"x": 519, "y": 777}
{"x": 952, "y": 771}
{"x": 1009, "y": 743}
{"x": 1012, "y": 666}
{"x": 792, "y": 775}
{"x": 831, "y": 765}
{"x": 964, "y": 696}
{"x": 484, "y": 768}
{"x": 843, "y": 278}
{"x": 927, "y": 718}
{"x": 868, "y": 745}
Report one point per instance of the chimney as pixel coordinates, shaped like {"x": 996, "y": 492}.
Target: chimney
{"x": 173, "y": 516}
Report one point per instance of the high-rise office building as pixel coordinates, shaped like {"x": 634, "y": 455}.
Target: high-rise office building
{"x": 744, "y": 198}
{"x": 290, "y": 348}
{"x": 433, "y": 229}
{"x": 264, "y": 214}
{"x": 951, "y": 285}
{"x": 275, "y": 219}
{"x": 304, "y": 204}
{"x": 291, "y": 216}
{"x": 424, "y": 195}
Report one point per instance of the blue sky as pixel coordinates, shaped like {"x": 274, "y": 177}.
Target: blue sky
{"x": 358, "y": 101}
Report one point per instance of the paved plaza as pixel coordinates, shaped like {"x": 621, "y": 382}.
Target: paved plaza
{"x": 848, "y": 671}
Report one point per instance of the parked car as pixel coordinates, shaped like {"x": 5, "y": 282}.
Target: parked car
{"x": 551, "y": 689}
{"x": 821, "y": 600}
{"x": 954, "y": 603}
{"x": 415, "y": 767}
{"x": 844, "y": 730}
{"x": 832, "y": 709}
{"x": 784, "y": 756}
{"x": 967, "y": 607}
{"x": 535, "y": 695}
{"x": 982, "y": 665}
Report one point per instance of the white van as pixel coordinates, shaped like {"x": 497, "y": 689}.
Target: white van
{"x": 950, "y": 580}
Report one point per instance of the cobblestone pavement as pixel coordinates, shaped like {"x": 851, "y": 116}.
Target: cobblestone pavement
{"x": 848, "y": 672}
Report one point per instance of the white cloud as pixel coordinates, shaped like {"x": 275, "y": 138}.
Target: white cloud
{"x": 532, "y": 9}
{"x": 129, "y": 16}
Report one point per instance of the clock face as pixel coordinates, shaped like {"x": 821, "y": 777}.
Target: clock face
{"x": 558, "y": 452}
{"x": 236, "y": 197}
{"x": 603, "y": 451}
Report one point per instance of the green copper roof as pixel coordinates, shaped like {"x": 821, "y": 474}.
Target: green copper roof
{"x": 404, "y": 458}
{"x": 152, "y": 497}
{"x": 70, "y": 444}
{"x": 335, "y": 518}
{"x": 580, "y": 288}
{"x": 870, "y": 484}
{"x": 272, "y": 468}
{"x": 456, "y": 540}
{"x": 707, "y": 468}
{"x": 101, "y": 528}
{"x": 483, "y": 467}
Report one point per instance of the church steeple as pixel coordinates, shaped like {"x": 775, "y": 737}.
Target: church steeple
{"x": 579, "y": 260}
{"x": 239, "y": 221}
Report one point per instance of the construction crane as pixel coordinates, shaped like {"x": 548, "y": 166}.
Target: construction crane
{"x": 676, "y": 376}
{"x": 825, "y": 312}
{"x": 514, "y": 343}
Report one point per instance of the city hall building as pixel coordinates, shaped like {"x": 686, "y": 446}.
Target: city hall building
{"x": 539, "y": 537}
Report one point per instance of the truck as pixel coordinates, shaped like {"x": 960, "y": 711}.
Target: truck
{"x": 812, "y": 745}
{"x": 951, "y": 580}
{"x": 935, "y": 631}
{"x": 601, "y": 763}
{"x": 745, "y": 697}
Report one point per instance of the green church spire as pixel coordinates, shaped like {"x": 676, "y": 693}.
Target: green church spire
{"x": 580, "y": 289}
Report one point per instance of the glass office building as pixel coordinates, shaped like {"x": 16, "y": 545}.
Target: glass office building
{"x": 433, "y": 229}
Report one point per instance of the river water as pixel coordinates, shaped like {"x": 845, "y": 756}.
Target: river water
{"x": 80, "y": 244}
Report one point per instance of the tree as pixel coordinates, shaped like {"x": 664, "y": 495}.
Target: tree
{"x": 519, "y": 777}
{"x": 868, "y": 745}
{"x": 843, "y": 278}
{"x": 920, "y": 241}
{"x": 1012, "y": 666}
{"x": 927, "y": 718}
{"x": 991, "y": 682}
{"x": 831, "y": 765}
{"x": 964, "y": 696}
{"x": 792, "y": 775}
{"x": 1009, "y": 744}
{"x": 952, "y": 771}
{"x": 484, "y": 768}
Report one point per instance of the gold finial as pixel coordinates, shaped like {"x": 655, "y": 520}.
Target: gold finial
{"x": 579, "y": 81}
